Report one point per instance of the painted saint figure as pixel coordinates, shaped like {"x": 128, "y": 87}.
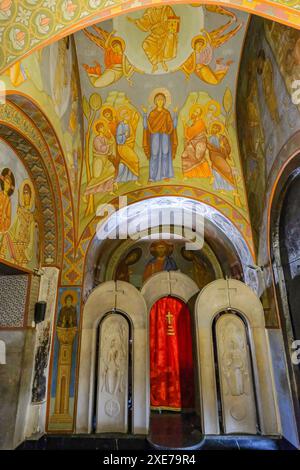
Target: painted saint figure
{"x": 104, "y": 154}
{"x": 219, "y": 151}
{"x": 7, "y": 184}
{"x": 108, "y": 114}
{"x": 195, "y": 157}
{"x": 160, "y": 139}
{"x": 161, "y": 259}
{"x": 23, "y": 231}
{"x": 161, "y": 44}
{"x": 124, "y": 271}
{"x": 67, "y": 315}
{"x": 128, "y": 160}
{"x": 265, "y": 70}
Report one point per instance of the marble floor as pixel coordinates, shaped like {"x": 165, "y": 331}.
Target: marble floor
{"x": 172, "y": 431}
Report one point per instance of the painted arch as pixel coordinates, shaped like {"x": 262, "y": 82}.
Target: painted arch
{"x": 27, "y": 26}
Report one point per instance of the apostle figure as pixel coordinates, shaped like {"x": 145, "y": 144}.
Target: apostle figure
{"x": 160, "y": 139}
{"x": 219, "y": 151}
{"x": 23, "y": 232}
{"x": 161, "y": 44}
{"x": 108, "y": 114}
{"x": 128, "y": 160}
{"x": 195, "y": 157}
{"x": 7, "y": 187}
{"x": 161, "y": 259}
{"x": 104, "y": 155}
{"x": 7, "y": 184}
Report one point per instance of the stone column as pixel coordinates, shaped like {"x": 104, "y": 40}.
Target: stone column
{"x": 66, "y": 338}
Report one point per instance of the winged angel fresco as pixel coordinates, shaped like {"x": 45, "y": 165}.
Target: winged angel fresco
{"x": 201, "y": 60}
{"x": 116, "y": 63}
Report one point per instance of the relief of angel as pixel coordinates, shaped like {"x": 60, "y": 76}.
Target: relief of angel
{"x": 201, "y": 60}
{"x": 116, "y": 63}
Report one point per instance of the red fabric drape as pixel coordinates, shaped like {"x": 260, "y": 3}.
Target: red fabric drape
{"x": 171, "y": 355}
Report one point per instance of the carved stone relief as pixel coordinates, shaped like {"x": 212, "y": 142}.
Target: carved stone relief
{"x": 236, "y": 385}
{"x": 112, "y": 393}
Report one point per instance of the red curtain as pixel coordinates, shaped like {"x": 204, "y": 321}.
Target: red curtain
{"x": 171, "y": 356}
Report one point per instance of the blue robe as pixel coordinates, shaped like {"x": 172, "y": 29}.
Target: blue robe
{"x": 161, "y": 153}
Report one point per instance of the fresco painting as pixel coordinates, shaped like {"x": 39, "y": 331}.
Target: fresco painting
{"x": 145, "y": 258}
{"x": 64, "y": 359}
{"x": 151, "y": 124}
{"x": 265, "y": 104}
{"x": 19, "y": 228}
{"x": 56, "y": 90}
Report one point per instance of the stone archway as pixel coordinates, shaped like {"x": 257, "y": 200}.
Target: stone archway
{"x": 234, "y": 297}
{"x": 165, "y": 284}
{"x": 282, "y": 251}
{"x": 109, "y": 297}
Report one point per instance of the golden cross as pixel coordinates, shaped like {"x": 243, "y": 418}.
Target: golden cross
{"x": 170, "y": 330}
{"x": 169, "y": 318}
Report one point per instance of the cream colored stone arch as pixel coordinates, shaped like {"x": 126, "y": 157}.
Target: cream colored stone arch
{"x": 232, "y": 295}
{"x": 125, "y": 298}
{"x": 166, "y": 283}
{"x": 179, "y": 285}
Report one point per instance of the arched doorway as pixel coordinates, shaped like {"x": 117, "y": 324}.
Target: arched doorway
{"x": 172, "y": 386}
{"x": 174, "y": 364}
{"x": 173, "y": 375}
{"x": 113, "y": 312}
{"x": 247, "y": 399}
{"x": 223, "y": 254}
{"x": 289, "y": 245}
{"x": 284, "y": 250}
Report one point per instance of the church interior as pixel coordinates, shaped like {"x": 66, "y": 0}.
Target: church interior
{"x": 149, "y": 224}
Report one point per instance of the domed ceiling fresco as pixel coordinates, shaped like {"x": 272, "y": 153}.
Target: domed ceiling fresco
{"x": 169, "y": 70}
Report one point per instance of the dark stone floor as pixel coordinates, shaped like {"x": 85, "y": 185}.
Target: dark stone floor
{"x": 168, "y": 431}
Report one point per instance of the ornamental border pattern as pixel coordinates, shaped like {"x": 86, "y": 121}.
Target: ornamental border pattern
{"x": 10, "y": 120}
{"x": 27, "y": 25}
{"x": 242, "y": 225}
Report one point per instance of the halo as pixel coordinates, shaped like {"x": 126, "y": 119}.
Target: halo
{"x": 122, "y": 108}
{"x": 117, "y": 38}
{"x": 104, "y": 107}
{"x": 164, "y": 92}
{"x": 169, "y": 246}
{"x": 65, "y": 294}
{"x": 195, "y": 39}
{"x": 194, "y": 107}
{"x": 218, "y": 123}
{"x": 7, "y": 173}
{"x": 137, "y": 252}
{"x": 216, "y": 104}
{"x": 21, "y": 195}
{"x": 103, "y": 121}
